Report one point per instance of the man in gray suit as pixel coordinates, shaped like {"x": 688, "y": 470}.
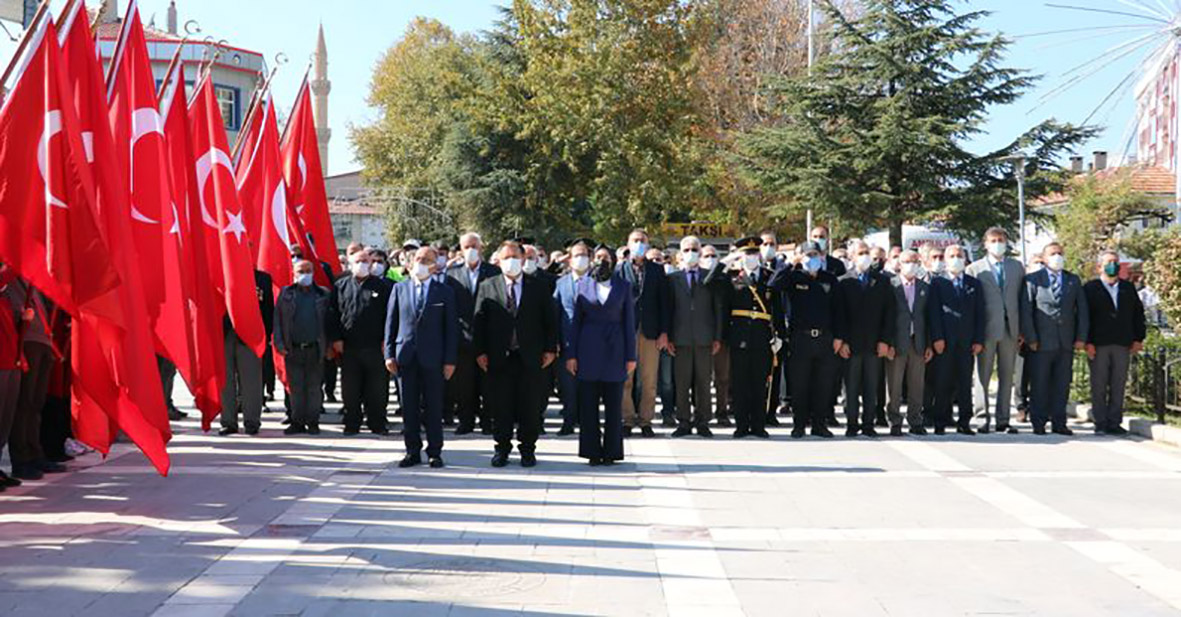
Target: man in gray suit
{"x": 1054, "y": 321}
{"x": 908, "y": 359}
{"x": 1000, "y": 277}
{"x": 695, "y": 338}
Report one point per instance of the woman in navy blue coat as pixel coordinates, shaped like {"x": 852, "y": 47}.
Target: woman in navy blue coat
{"x": 600, "y": 353}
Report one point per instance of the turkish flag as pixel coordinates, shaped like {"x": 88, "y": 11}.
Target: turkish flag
{"x": 48, "y": 232}
{"x": 245, "y": 150}
{"x": 113, "y": 361}
{"x": 206, "y": 372}
{"x": 262, "y": 191}
{"x": 305, "y": 181}
{"x": 221, "y": 214}
{"x": 138, "y": 133}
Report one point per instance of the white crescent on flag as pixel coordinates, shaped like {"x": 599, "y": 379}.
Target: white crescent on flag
{"x": 279, "y": 213}
{"x": 205, "y": 166}
{"x": 53, "y": 126}
{"x": 144, "y": 121}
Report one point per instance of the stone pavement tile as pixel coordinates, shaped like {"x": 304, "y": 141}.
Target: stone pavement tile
{"x": 193, "y": 610}
{"x": 1027, "y": 452}
{"x": 1103, "y": 503}
{"x": 1167, "y": 553}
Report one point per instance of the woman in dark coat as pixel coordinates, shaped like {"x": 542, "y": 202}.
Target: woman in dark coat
{"x": 600, "y": 353}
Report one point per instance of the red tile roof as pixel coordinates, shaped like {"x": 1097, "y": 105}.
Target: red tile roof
{"x": 1144, "y": 179}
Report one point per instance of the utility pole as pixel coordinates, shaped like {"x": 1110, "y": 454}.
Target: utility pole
{"x": 1019, "y": 163}
{"x": 811, "y": 59}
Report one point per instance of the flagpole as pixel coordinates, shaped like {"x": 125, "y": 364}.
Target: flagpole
{"x": 255, "y": 103}
{"x": 42, "y": 11}
{"x": 117, "y": 55}
{"x": 303, "y": 84}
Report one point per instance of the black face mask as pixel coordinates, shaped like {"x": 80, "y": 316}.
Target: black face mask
{"x": 601, "y": 271}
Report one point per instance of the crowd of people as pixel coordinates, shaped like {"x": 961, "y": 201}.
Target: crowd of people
{"x": 479, "y": 339}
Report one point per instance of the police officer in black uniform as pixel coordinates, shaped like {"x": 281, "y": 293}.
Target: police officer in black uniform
{"x": 815, "y": 337}
{"x": 752, "y": 310}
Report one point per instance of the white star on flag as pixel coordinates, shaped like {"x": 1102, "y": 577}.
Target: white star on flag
{"x": 235, "y": 226}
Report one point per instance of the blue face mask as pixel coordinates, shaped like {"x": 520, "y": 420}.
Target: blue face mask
{"x": 814, "y": 264}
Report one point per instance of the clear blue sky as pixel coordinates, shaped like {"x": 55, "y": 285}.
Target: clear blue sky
{"x": 358, "y": 31}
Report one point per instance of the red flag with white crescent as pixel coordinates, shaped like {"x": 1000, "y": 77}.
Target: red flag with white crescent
{"x": 305, "y": 181}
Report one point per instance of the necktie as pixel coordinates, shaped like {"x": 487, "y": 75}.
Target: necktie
{"x": 512, "y": 307}
{"x": 692, "y": 279}
{"x": 1000, "y": 274}
{"x": 418, "y": 298}
{"x": 1056, "y": 286}
{"x": 864, "y": 280}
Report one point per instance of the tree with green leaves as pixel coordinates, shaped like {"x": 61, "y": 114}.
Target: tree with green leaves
{"x": 876, "y": 134}
{"x": 1097, "y": 210}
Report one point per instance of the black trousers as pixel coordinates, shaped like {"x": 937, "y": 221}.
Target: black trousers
{"x": 667, "y": 386}
{"x": 55, "y": 426}
{"x": 305, "y": 396}
{"x": 422, "y": 407}
{"x": 331, "y": 368}
{"x": 464, "y": 391}
{"x": 780, "y": 394}
{"x": 513, "y": 387}
{"x": 863, "y": 376}
{"x": 811, "y": 374}
{"x": 749, "y": 370}
{"x": 167, "y": 379}
{"x": 364, "y": 380}
{"x": 606, "y": 443}
{"x": 549, "y": 378}
{"x": 24, "y": 442}
{"x": 268, "y": 371}
{"x": 953, "y": 384}
{"x": 1051, "y": 387}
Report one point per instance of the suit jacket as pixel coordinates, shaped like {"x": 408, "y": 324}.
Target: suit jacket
{"x": 465, "y": 295}
{"x": 536, "y": 323}
{"x": 285, "y": 316}
{"x": 907, "y": 319}
{"x": 652, "y": 302}
{"x": 428, "y": 338}
{"x": 546, "y": 278}
{"x": 566, "y": 298}
{"x": 868, "y": 312}
{"x": 697, "y": 317}
{"x": 1111, "y": 325}
{"x": 956, "y": 317}
{"x": 603, "y": 335}
{"x": 1000, "y": 303}
{"x": 1052, "y": 323}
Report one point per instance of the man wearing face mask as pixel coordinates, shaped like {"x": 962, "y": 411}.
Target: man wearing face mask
{"x": 566, "y": 292}
{"x": 832, "y": 265}
{"x": 653, "y": 306}
{"x": 300, "y": 314}
{"x": 933, "y": 268}
{"x": 715, "y": 273}
{"x": 665, "y": 387}
{"x": 1055, "y": 321}
{"x": 356, "y": 325}
{"x": 1117, "y": 330}
{"x": 866, "y": 296}
{"x": 956, "y": 315}
{"x": 532, "y": 267}
{"x": 697, "y": 328}
{"x": 515, "y": 334}
{"x": 421, "y": 343}
{"x": 1024, "y": 364}
{"x": 751, "y": 333}
{"x": 466, "y": 390}
{"x": 908, "y": 358}
{"x": 780, "y": 400}
{"x": 816, "y": 336}
{"x": 998, "y": 276}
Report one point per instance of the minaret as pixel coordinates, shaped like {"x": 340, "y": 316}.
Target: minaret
{"x": 172, "y": 18}
{"x": 320, "y": 89}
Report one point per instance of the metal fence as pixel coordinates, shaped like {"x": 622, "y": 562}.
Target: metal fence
{"x": 1154, "y": 377}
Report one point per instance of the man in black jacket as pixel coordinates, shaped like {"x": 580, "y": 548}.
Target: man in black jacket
{"x": 243, "y": 389}
{"x": 356, "y": 327}
{"x": 466, "y": 388}
{"x": 653, "y": 314}
{"x": 515, "y": 336}
{"x": 1117, "y": 331}
{"x": 868, "y": 303}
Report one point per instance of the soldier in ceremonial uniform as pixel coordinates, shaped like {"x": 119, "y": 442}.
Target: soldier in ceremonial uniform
{"x": 753, "y": 311}
{"x": 816, "y": 336}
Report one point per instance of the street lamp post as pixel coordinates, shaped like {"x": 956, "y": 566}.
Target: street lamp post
{"x": 811, "y": 58}
{"x": 1019, "y": 170}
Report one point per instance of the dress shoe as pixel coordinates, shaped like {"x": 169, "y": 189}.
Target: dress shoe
{"x": 349, "y": 432}
{"x": 61, "y": 458}
{"x": 252, "y": 430}
{"x": 286, "y": 421}
{"x": 541, "y": 429}
{"x": 27, "y": 471}
{"x": 607, "y": 462}
{"x": 381, "y": 432}
{"x": 410, "y": 460}
{"x": 740, "y": 433}
{"x": 1007, "y": 428}
{"x": 464, "y": 429}
{"x": 313, "y": 429}
{"x": 647, "y": 432}
{"x": 331, "y": 398}
{"x": 500, "y": 459}
{"x": 1062, "y": 430}
{"x": 449, "y": 421}
{"x": 783, "y": 409}
{"x": 485, "y": 430}
{"x": 295, "y": 429}
{"x": 882, "y": 422}
{"x": 703, "y": 431}
{"x": 869, "y": 432}
{"x": 567, "y": 429}
{"x": 797, "y": 432}
{"x": 852, "y": 431}
{"x": 1116, "y": 430}
{"x": 595, "y": 462}
{"x": 772, "y": 420}
{"x": 760, "y": 433}
{"x": 436, "y": 462}
{"x": 821, "y": 431}
{"x": 627, "y": 432}
{"x": 984, "y": 430}
{"x": 682, "y": 431}
{"x": 833, "y": 422}
{"x": 918, "y": 430}
{"x": 528, "y": 459}
{"x": 939, "y": 430}
{"x": 668, "y": 421}
{"x": 176, "y": 414}
{"x": 1039, "y": 430}
{"x": 896, "y": 431}
{"x": 8, "y": 481}
{"x": 228, "y": 430}
{"x": 47, "y": 466}
{"x": 724, "y": 421}
{"x": 964, "y": 430}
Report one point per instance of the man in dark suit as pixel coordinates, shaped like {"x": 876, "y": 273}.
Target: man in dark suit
{"x": 652, "y": 308}
{"x": 1117, "y": 330}
{"x": 243, "y": 389}
{"x": 780, "y": 399}
{"x": 466, "y": 388}
{"x": 956, "y": 317}
{"x": 869, "y": 312}
{"x": 421, "y": 344}
{"x": 908, "y": 357}
{"x": 355, "y": 325}
{"x": 515, "y": 335}
{"x": 697, "y": 326}
{"x": 566, "y": 293}
{"x": 531, "y": 266}
{"x": 1054, "y": 321}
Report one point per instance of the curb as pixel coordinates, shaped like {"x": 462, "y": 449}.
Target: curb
{"x": 1141, "y": 427}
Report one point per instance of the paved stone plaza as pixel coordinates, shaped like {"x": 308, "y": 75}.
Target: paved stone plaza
{"x": 273, "y": 525}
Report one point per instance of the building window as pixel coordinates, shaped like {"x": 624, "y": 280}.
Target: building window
{"x": 227, "y": 100}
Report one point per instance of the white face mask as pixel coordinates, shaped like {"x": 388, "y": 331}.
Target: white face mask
{"x": 690, "y": 258}
{"x": 377, "y": 269}
{"x": 751, "y": 263}
{"x": 530, "y": 266}
{"x": 937, "y": 266}
{"x": 421, "y": 271}
{"x": 997, "y": 249}
{"x": 669, "y": 269}
{"x": 822, "y": 244}
{"x": 908, "y": 269}
{"x": 471, "y": 255}
{"x": 360, "y": 269}
{"x": 955, "y": 265}
{"x": 441, "y": 262}
{"x": 767, "y": 251}
{"x": 637, "y": 249}
{"x": 862, "y": 262}
{"x": 1056, "y": 262}
{"x": 580, "y": 263}
{"x": 709, "y": 262}
{"x": 511, "y": 267}
{"x": 303, "y": 279}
